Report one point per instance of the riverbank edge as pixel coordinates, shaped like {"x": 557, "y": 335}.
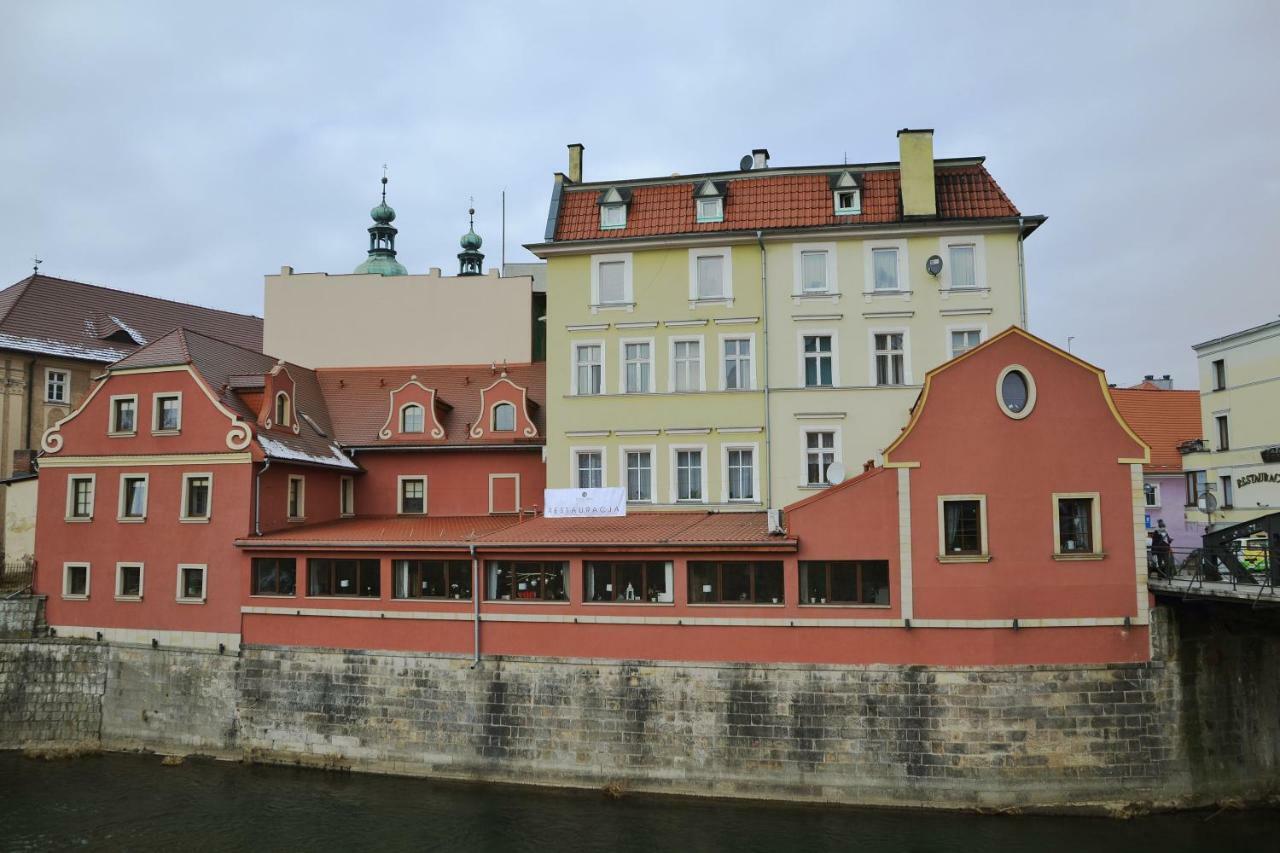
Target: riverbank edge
{"x": 1189, "y": 730}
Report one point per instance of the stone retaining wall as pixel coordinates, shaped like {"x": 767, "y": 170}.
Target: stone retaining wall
{"x": 20, "y": 617}
{"x": 1202, "y": 724}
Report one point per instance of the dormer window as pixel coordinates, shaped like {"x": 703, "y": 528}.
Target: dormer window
{"x": 284, "y": 411}
{"x": 504, "y": 418}
{"x": 613, "y": 208}
{"x": 708, "y": 197}
{"x": 412, "y": 418}
{"x": 846, "y": 189}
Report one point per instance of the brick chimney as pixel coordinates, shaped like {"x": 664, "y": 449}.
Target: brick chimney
{"x": 575, "y": 162}
{"x": 915, "y": 153}
{"x": 22, "y": 460}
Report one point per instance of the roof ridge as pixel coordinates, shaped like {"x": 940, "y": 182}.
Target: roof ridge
{"x": 31, "y": 278}
{"x": 189, "y": 331}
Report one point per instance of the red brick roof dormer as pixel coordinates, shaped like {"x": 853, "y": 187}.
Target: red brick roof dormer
{"x": 504, "y": 392}
{"x": 414, "y": 393}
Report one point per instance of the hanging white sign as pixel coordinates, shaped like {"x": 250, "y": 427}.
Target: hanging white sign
{"x": 585, "y": 503}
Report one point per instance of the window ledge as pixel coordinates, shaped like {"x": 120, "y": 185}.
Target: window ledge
{"x": 122, "y": 434}
{"x": 964, "y": 558}
{"x": 128, "y": 598}
{"x": 843, "y": 605}
{"x": 527, "y": 601}
{"x": 67, "y": 597}
{"x": 815, "y": 487}
{"x": 900, "y": 294}
{"x": 276, "y": 595}
{"x": 55, "y": 402}
{"x": 296, "y": 519}
{"x": 190, "y": 600}
{"x": 71, "y": 519}
{"x": 726, "y": 301}
{"x": 346, "y": 515}
{"x": 816, "y": 296}
{"x": 737, "y": 604}
{"x": 160, "y": 432}
{"x": 346, "y": 597}
{"x": 130, "y": 519}
{"x": 1079, "y": 558}
{"x": 613, "y": 306}
{"x": 636, "y": 603}
{"x": 949, "y": 290}
{"x": 433, "y": 599}
{"x": 193, "y": 520}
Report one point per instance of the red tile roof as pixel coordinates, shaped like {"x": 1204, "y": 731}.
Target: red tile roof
{"x": 725, "y": 530}
{"x": 766, "y": 201}
{"x": 359, "y": 400}
{"x": 84, "y": 321}
{"x": 386, "y": 531}
{"x": 1163, "y": 419}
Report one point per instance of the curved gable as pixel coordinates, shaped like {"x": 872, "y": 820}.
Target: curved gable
{"x": 413, "y": 392}
{"x": 278, "y": 381}
{"x": 503, "y": 391}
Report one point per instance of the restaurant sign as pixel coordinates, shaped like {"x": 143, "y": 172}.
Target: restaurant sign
{"x": 585, "y": 503}
{"x": 1264, "y": 477}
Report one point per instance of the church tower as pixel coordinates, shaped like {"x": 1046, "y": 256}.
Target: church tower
{"x": 470, "y": 259}
{"x": 382, "y": 240}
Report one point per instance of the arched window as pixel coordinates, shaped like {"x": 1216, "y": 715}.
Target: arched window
{"x": 282, "y": 409}
{"x": 504, "y": 417}
{"x": 412, "y": 417}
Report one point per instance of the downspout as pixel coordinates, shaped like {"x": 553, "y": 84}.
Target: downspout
{"x": 475, "y": 607}
{"x": 1022, "y": 279}
{"x": 31, "y": 400}
{"x": 257, "y": 497}
{"x": 764, "y": 354}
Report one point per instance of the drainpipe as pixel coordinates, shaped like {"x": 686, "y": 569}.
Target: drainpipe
{"x": 1022, "y": 278}
{"x": 257, "y": 497}
{"x": 475, "y": 607}
{"x": 764, "y": 355}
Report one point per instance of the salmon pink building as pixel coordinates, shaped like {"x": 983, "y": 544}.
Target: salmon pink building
{"x": 397, "y": 509}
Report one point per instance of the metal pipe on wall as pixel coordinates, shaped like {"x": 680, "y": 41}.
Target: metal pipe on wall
{"x": 475, "y": 607}
{"x": 764, "y": 356}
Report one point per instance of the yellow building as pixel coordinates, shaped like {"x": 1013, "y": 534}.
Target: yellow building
{"x": 719, "y": 340}
{"x": 1238, "y": 463}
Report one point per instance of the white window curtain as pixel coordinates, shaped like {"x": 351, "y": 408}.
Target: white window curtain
{"x": 813, "y": 271}
{"x": 885, "y": 262}
{"x": 612, "y": 283}
{"x": 710, "y": 277}
{"x": 962, "y": 267}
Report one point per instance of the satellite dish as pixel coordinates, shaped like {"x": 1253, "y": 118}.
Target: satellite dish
{"x": 933, "y": 266}
{"x": 835, "y": 473}
{"x": 745, "y": 163}
{"x": 1208, "y": 502}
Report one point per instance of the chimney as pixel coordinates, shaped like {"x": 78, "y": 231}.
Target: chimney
{"x": 575, "y": 162}
{"x": 22, "y": 461}
{"x": 915, "y": 153}
{"x": 760, "y": 158}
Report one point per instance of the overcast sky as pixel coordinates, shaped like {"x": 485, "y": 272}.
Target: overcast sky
{"x": 187, "y": 152}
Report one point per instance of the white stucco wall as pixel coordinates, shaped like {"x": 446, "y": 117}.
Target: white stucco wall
{"x": 20, "y": 520}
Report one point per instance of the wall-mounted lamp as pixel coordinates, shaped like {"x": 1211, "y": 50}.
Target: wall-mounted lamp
{"x": 1015, "y": 624}
{"x": 155, "y": 644}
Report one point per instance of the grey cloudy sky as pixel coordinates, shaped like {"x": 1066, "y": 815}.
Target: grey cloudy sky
{"x": 186, "y": 150}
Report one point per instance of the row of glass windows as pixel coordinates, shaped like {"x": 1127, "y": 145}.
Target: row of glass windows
{"x": 166, "y": 413}
{"x": 191, "y": 581}
{"x": 963, "y": 532}
{"x": 413, "y": 418}
{"x": 818, "y": 367}
{"x": 846, "y": 201}
{"x": 709, "y": 268}
{"x": 729, "y": 582}
{"x": 196, "y": 504}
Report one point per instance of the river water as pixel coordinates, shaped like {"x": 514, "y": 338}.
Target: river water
{"x": 132, "y": 802}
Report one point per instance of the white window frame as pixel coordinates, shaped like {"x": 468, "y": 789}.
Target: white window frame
{"x": 1031, "y": 391}
{"x": 64, "y": 385}
{"x": 717, "y": 216}
{"x": 981, "y": 329}
{"x": 493, "y": 416}
{"x": 979, "y": 262}
{"x": 1095, "y": 511}
{"x": 185, "y": 516}
{"x": 869, "y": 267}
{"x": 406, "y": 478}
{"x": 573, "y": 367}
{"x": 853, "y": 210}
{"x": 111, "y": 415}
{"x": 494, "y": 478}
{"x": 142, "y": 580}
{"x": 575, "y": 452}
{"x": 720, "y": 357}
{"x": 71, "y": 497}
{"x": 984, "y": 546}
{"x": 615, "y": 205}
{"x": 287, "y": 420}
{"x": 204, "y": 583}
{"x": 906, "y": 355}
{"x": 622, "y": 365}
{"x": 66, "y": 577}
{"x": 629, "y": 299}
{"x": 404, "y": 409}
{"x": 1155, "y": 487}
{"x": 702, "y": 362}
{"x": 1226, "y": 491}
{"x": 837, "y": 440}
{"x": 674, "y": 451}
{"x": 835, "y": 356}
{"x": 1222, "y": 423}
{"x": 726, "y": 297}
{"x": 798, "y": 250}
{"x": 155, "y": 412}
{"x": 146, "y": 498}
{"x": 302, "y": 497}
{"x": 346, "y": 485}
{"x": 652, "y": 450}
{"x": 754, "y": 447}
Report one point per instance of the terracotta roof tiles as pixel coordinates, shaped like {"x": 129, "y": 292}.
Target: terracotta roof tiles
{"x": 1163, "y": 419}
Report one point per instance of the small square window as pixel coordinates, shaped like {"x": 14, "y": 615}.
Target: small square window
{"x": 75, "y": 580}
{"x": 710, "y": 210}
{"x": 129, "y": 580}
{"x": 590, "y": 469}
{"x": 413, "y": 418}
{"x": 885, "y": 268}
{"x": 80, "y": 498}
{"x": 962, "y": 528}
{"x": 504, "y": 417}
{"x": 197, "y": 491}
{"x": 168, "y": 413}
{"x": 613, "y": 216}
{"x": 133, "y": 497}
{"x": 56, "y": 386}
{"x": 1076, "y": 534}
{"x": 191, "y": 583}
{"x": 963, "y": 271}
{"x": 813, "y": 272}
{"x": 124, "y": 415}
{"x": 613, "y": 282}
{"x": 848, "y": 202}
{"x": 413, "y": 496}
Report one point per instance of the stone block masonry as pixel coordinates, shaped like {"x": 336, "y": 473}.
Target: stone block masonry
{"x": 1164, "y": 732}
{"x": 21, "y": 617}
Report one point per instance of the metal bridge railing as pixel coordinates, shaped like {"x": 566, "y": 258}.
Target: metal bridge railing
{"x": 16, "y": 577}
{"x": 1240, "y": 565}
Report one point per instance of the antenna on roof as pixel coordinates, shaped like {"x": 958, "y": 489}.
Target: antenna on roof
{"x": 36, "y": 261}
{"x": 384, "y": 183}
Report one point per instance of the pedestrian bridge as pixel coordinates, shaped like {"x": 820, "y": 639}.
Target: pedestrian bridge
{"x": 1240, "y": 564}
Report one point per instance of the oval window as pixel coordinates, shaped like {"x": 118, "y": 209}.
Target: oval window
{"x": 1016, "y": 391}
